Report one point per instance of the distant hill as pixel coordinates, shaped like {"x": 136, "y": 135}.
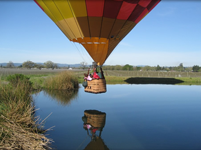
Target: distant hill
{"x": 15, "y": 64}
{"x": 70, "y": 65}
{"x": 59, "y": 65}
{"x": 64, "y": 65}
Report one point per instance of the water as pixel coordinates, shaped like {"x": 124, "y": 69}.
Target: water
{"x": 137, "y": 117}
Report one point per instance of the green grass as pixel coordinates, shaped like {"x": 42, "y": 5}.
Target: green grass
{"x": 190, "y": 81}
{"x": 37, "y": 82}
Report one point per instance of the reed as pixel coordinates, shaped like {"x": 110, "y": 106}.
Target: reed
{"x": 19, "y": 129}
{"x": 62, "y": 81}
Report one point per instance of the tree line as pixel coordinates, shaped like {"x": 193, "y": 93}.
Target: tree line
{"x": 128, "y": 67}
{"x": 29, "y": 64}
{"x": 180, "y": 68}
{"x": 83, "y": 65}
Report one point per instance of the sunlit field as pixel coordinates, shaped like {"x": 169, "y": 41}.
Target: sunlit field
{"x": 8, "y": 71}
{"x": 117, "y": 73}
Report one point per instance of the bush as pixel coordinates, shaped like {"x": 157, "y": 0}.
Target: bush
{"x": 19, "y": 78}
{"x": 62, "y": 81}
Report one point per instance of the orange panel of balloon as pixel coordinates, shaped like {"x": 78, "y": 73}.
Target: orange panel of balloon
{"x": 99, "y": 25}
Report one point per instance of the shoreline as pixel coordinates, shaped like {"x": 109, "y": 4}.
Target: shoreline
{"x": 18, "y": 123}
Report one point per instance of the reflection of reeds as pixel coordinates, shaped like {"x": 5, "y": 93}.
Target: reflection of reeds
{"x": 62, "y": 81}
{"x": 18, "y": 130}
{"x": 63, "y": 97}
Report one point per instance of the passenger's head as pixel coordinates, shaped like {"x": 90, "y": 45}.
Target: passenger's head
{"x": 85, "y": 74}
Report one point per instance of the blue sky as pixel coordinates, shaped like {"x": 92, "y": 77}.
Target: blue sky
{"x": 169, "y": 35}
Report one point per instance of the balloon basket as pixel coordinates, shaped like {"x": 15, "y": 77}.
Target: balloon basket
{"x": 96, "y": 86}
{"x": 95, "y": 118}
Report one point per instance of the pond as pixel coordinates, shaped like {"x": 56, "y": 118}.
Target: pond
{"x": 146, "y": 117}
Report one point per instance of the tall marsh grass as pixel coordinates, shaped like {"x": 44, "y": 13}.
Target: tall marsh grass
{"x": 18, "y": 127}
{"x": 62, "y": 81}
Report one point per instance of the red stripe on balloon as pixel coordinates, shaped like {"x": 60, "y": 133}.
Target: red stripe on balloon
{"x": 144, "y": 3}
{"x": 126, "y": 10}
{"x": 136, "y": 13}
{"x": 111, "y": 8}
{"x": 141, "y": 15}
{"x": 95, "y": 8}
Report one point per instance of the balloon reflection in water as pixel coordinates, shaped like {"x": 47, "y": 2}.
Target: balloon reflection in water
{"x": 63, "y": 97}
{"x": 94, "y": 121}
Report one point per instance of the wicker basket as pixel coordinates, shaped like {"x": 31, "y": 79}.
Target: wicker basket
{"x": 96, "y": 86}
{"x": 95, "y": 118}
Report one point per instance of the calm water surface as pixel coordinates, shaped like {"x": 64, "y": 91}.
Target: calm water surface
{"x": 137, "y": 117}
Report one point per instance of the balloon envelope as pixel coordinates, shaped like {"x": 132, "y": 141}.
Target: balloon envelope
{"x": 99, "y": 25}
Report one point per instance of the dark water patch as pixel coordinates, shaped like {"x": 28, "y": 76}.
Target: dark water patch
{"x": 145, "y": 80}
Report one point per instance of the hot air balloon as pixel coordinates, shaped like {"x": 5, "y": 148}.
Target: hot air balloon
{"x": 99, "y": 25}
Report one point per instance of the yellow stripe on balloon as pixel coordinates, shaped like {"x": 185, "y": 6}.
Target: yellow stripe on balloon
{"x": 51, "y": 6}
{"x": 72, "y": 27}
{"x": 65, "y": 29}
{"x": 78, "y": 7}
{"x": 51, "y": 14}
{"x": 61, "y": 12}
{"x": 64, "y": 8}
{"x": 46, "y": 10}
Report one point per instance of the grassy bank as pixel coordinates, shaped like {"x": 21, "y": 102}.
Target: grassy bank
{"x": 61, "y": 81}
{"x": 19, "y": 129}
